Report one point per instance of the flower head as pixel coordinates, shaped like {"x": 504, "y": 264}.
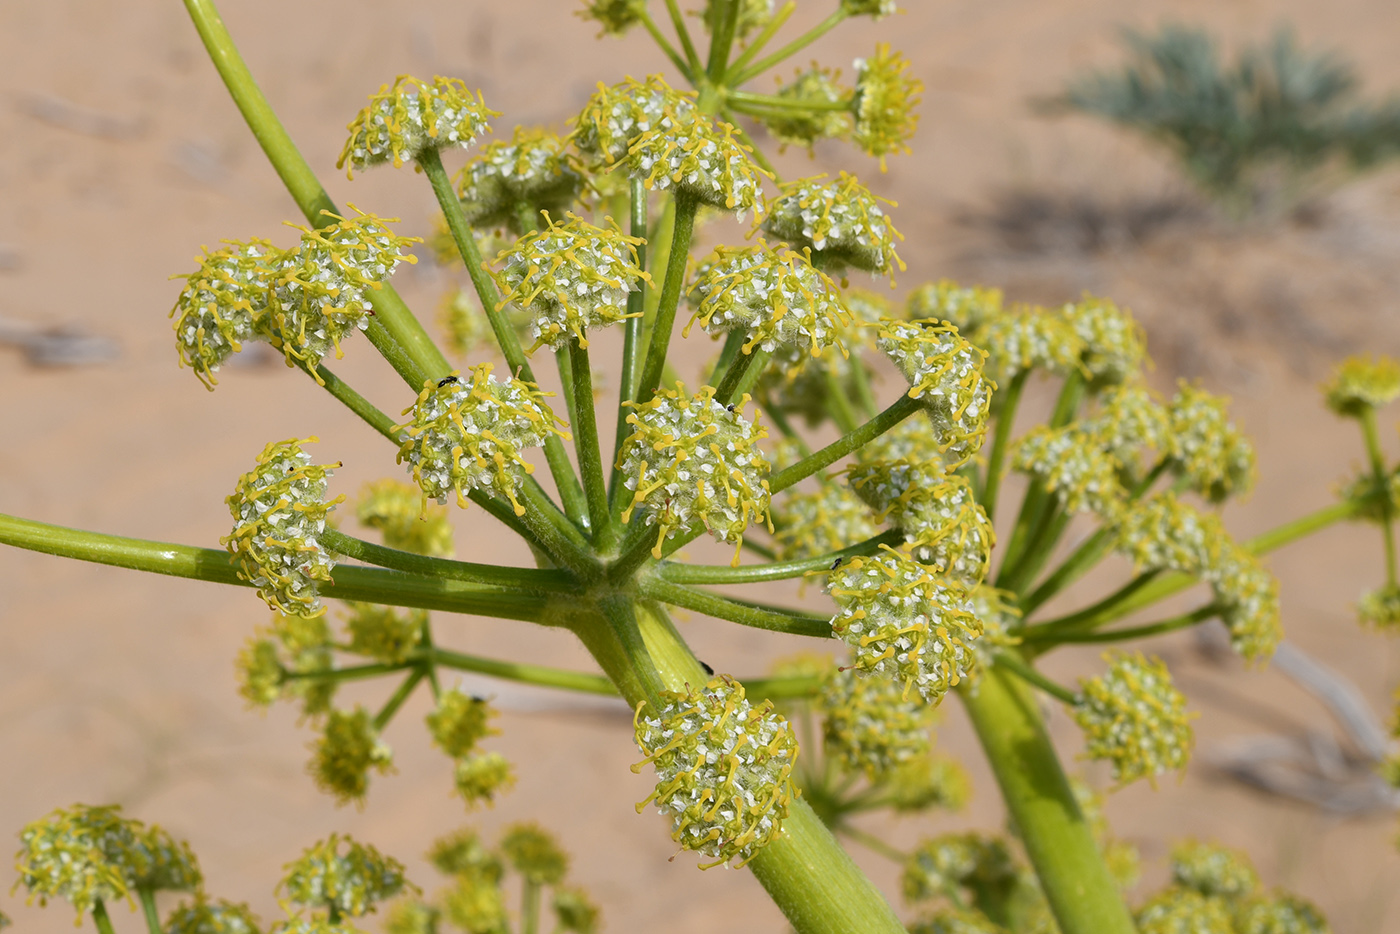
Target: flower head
{"x": 615, "y": 16}
{"x": 775, "y": 296}
{"x": 212, "y": 916}
{"x": 1179, "y": 910}
{"x": 524, "y": 177}
{"x": 279, "y": 510}
{"x": 1248, "y": 598}
{"x": 699, "y": 159}
{"x": 1380, "y": 607}
{"x": 1163, "y": 533}
{"x": 410, "y": 116}
{"x": 1028, "y": 340}
{"x": 690, "y": 459}
{"x": 956, "y": 921}
{"x": 469, "y": 434}
{"x": 1114, "y": 345}
{"x": 1134, "y": 717}
{"x": 946, "y": 864}
{"x": 222, "y": 304}
{"x": 460, "y": 722}
{"x": 818, "y": 88}
{"x": 826, "y": 519}
{"x": 1206, "y": 447}
{"x": 571, "y": 276}
{"x": 84, "y": 854}
{"x": 875, "y": 9}
{"x": 870, "y": 724}
{"x": 534, "y": 853}
{"x": 322, "y": 290}
{"x": 348, "y": 748}
{"x": 945, "y": 374}
{"x": 480, "y": 778}
{"x": 167, "y": 864}
{"x": 475, "y": 905}
{"x": 395, "y": 509}
{"x": 575, "y": 911}
{"x": 1071, "y": 464}
{"x": 750, "y": 15}
{"x": 840, "y": 221}
{"x": 967, "y": 308}
{"x": 1362, "y": 383}
{"x": 340, "y": 873}
{"x": 260, "y": 671}
{"x": 465, "y": 326}
{"x": 1129, "y": 418}
{"x": 884, "y": 103}
{"x": 1280, "y": 913}
{"x": 617, "y": 116}
{"x": 926, "y": 782}
{"x": 412, "y": 916}
{"x": 382, "y": 632}
{"x": 938, "y": 513}
{"x": 1213, "y": 871}
{"x": 723, "y": 768}
{"x": 904, "y": 622}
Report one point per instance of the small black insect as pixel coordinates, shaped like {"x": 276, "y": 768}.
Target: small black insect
{"x": 730, "y": 406}
{"x": 447, "y": 379}
{"x": 836, "y": 564}
{"x": 708, "y": 669}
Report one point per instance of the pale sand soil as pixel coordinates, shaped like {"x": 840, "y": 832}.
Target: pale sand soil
{"x": 116, "y": 686}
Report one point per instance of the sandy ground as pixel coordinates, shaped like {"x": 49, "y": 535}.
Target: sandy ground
{"x": 120, "y": 154}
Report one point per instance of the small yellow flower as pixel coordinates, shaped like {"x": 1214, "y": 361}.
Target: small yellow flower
{"x": 884, "y": 103}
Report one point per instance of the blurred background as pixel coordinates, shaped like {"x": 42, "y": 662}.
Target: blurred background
{"x": 121, "y": 154}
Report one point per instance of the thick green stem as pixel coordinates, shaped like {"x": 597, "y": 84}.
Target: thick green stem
{"x": 712, "y": 604}
{"x": 559, "y": 537}
{"x": 370, "y": 585}
{"x": 901, "y": 409}
{"x": 1061, "y": 847}
{"x": 395, "y": 332}
{"x": 996, "y": 461}
{"x": 529, "y": 907}
{"x": 722, "y": 39}
{"x": 570, "y": 493}
{"x": 101, "y": 918}
{"x": 1378, "y": 472}
{"x": 792, "y": 48}
{"x": 671, "y": 287}
{"x": 148, "y": 908}
{"x": 784, "y": 570}
{"x": 590, "y": 456}
{"x": 526, "y": 580}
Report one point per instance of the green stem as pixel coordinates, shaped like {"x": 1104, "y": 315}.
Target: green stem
{"x": 582, "y": 682}
{"x": 865, "y": 394}
{"x": 1378, "y": 472}
{"x": 793, "y": 688}
{"x": 712, "y": 604}
{"x": 722, "y": 40}
{"x": 792, "y": 48}
{"x": 744, "y": 101}
{"x": 901, "y": 409}
{"x": 837, "y": 403}
{"x": 148, "y": 908}
{"x": 1059, "y": 842}
{"x": 664, "y": 44}
{"x": 784, "y": 570}
{"x": 405, "y": 690}
{"x": 590, "y": 456}
{"x": 874, "y": 843}
{"x": 1030, "y": 675}
{"x": 1122, "y": 635}
{"x": 996, "y": 461}
{"x": 682, "y": 33}
{"x": 671, "y": 287}
{"x": 559, "y": 537}
{"x": 370, "y": 585}
{"x": 570, "y": 493}
{"x": 733, "y": 342}
{"x": 1040, "y": 545}
{"x": 526, "y": 580}
{"x": 352, "y": 400}
{"x": 631, "y": 334}
{"x": 529, "y": 907}
{"x": 769, "y": 30}
{"x": 101, "y": 918}
{"x": 351, "y": 673}
{"x": 745, "y": 368}
{"x": 394, "y": 330}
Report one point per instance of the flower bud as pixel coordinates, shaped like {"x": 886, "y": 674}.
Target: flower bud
{"x": 1362, "y": 383}
{"x": 396, "y": 509}
{"x": 1280, "y": 913}
{"x": 690, "y": 459}
{"x": 904, "y": 622}
{"x": 321, "y": 293}
{"x": 870, "y": 724}
{"x": 575, "y": 911}
{"x": 1380, "y": 607}
{"x": 409, "y": 117}
{"x": 946, "y": 865}
{"x": 512, "y": 181}
{"x": 617, "y": 116}
{"x": 1213, "y": 871}
{"x": 470, "y": 434}
{"x": 1030, "y": 339}
{"x": 383, "y": 633}
{"x": 1176, "y": 910}
{"x": 723, "y": 768}
{"x": 216, "y": 916}
{"x": 818, "y": 88}
{"x": 348, "y": 748}
{"x": 571, "y": 277}
{"x": 1208, "y": 449}
{"x": 884, "y": 103}
{"x": 702, "y": 160}
{"x": 1115, "y": 348}
{"x": 615, "y": 16}
{"x": 1134, "y": 717}
{"x": 1072, "y": 464}
{"x": 534, "y": 853}
{"x": 480, "y": 778}
{"x": 827, "y": 519}
{"x": 342, "y": 874}
{"x": 222, "y": 304}
{"x": 966, "y": 308}
{"x": 460, "y": 722}
{"x": 279, "y": 510}
{"x": 840, "y": 221}
{"x": 945, "y": 374}
{"x": 775, "y": 296}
